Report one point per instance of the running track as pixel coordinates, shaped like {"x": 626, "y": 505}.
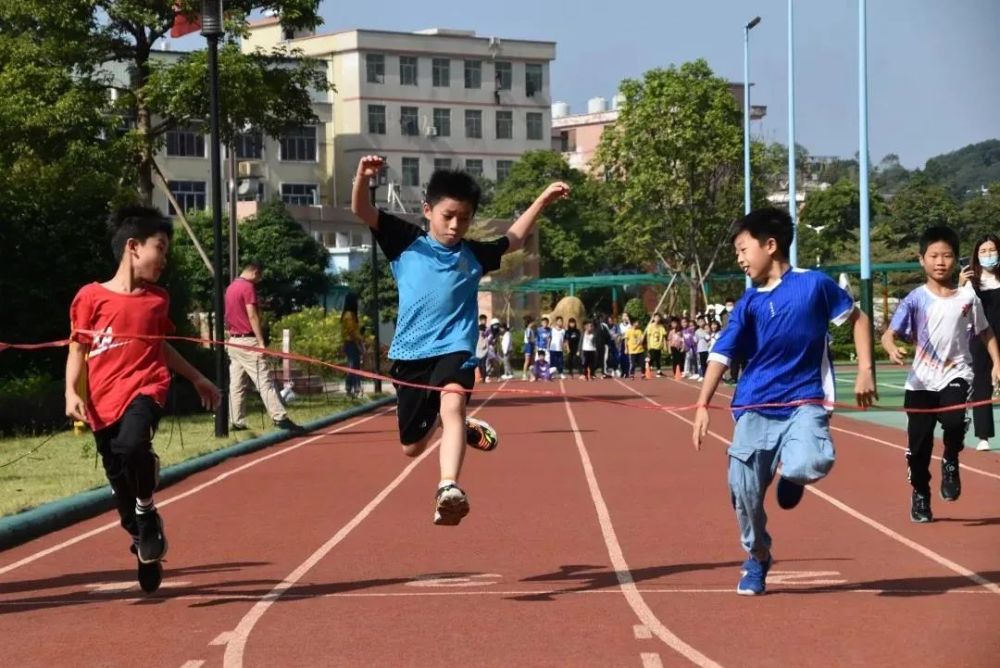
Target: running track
{"x": 598, "y": 537}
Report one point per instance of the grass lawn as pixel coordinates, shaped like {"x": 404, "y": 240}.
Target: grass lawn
{"x": 67, "y": 463}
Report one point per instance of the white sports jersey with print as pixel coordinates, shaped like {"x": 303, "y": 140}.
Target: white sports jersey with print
{"x": 941, "y": 328}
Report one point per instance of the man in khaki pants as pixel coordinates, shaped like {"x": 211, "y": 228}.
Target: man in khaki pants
{"x": 243, "y": 323}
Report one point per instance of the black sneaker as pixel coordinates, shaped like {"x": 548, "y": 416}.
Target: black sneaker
{"x": 789, "y": 493}
{"x": 152, "y": 544}
{"x": 951, "y": 483}
{"x": 150, "y": 576}
{"x": 920, "y": 508}
{"x": 287, "y": 424}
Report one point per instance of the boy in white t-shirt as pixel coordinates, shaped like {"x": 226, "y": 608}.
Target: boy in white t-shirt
{"x": 556, "y": 346}
{"x": 940, "y": 321}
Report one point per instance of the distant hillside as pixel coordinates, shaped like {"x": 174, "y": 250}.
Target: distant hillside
{"x": 965, "y": 171}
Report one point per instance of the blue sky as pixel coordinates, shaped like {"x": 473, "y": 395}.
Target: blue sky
{"x": 933, "y": 65}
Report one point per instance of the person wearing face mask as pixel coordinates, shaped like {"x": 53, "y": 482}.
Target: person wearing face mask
{"x": 983, "y": 276}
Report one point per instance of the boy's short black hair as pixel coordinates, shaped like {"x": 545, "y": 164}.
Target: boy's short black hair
{"x": 253, "y": 263}
{"x": 939, "y": 233}
{"x": 545, "y": 319}
{"x": 454, "y": 184}
{"x": 482, "y": 316}
{"x": 138, "y": 222}
{"x": 767, "y": 223}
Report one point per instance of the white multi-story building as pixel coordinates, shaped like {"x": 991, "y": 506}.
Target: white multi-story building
{"x": 425, "y": 100}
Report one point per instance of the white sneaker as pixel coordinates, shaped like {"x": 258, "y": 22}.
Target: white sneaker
{"x": 562, "y": 376}
{"x": 984, "y": 446}
{"x": 452, "y": 506}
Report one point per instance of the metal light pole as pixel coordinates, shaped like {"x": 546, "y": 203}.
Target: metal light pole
{"x": 212, "y": 29}
{"x": 866, "y": 267}
{"x": 379, "y": 179}
{"x": 746, "y": 117}
{"x": 793, "y": 209}
{"x": 234, "y": 242}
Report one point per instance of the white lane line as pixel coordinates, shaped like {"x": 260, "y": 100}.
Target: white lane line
{"x": 851, "y": 381}
{"x": 642, "y": 632}
{"x": 192, "y": 664}
{"x": 194, "y": 490}
{"x": 622, "y": 572}
{"x": 651, "y": 660}
{"x": 222, "y": 638}
{"x": 727, "y": 590}
{"x": 881, "y": 528}
{"x": 236, "y": 645}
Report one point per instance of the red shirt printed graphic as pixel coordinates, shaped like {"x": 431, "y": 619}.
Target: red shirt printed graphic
{"x": 119, "y": 368}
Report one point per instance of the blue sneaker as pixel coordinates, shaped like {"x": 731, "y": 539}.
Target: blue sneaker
{"x": 789, "y": 493}
{"x": 754, "y": 576}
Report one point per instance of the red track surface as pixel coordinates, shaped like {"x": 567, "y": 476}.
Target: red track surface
{"x": 323, "y": 553}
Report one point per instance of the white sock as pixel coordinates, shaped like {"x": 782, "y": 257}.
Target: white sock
{"x": 144, "y": 506}
{"x": 445, "y": 483}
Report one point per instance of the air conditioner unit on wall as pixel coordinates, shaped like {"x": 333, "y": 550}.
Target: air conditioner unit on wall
{"x": 431, "y": 131}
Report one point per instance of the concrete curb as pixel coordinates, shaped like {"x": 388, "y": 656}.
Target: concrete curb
{"x": 54, "y": 515}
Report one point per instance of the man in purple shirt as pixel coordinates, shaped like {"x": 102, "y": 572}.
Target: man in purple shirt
{"x": 243, "y": 323}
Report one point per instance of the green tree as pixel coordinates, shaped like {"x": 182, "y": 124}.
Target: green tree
{"x": 268, "y": 91}
{"x": 294, "y": 263}
{"x": 917, "y": 206}
{"x": 675, "y": 160}
{"x": 981, "y": 215}
{"x": 574, "y": 233}
{"x": 830, "y": 220}
{"x": 57, "y": 174}
{"x": 360, "y": 283}
{"x": 966, "y": 171}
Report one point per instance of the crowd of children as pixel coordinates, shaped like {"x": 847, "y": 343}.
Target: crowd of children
{"x": 601, "y": 347}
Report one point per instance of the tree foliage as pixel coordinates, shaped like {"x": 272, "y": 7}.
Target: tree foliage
{"x": 574, "y": 234}
{"x": 675, "y": 160}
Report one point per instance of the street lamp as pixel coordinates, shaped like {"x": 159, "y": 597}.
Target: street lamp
{"x": 867, "y": 298}
{"x": 746, "y": 117}
{"x": 380, "y": 179}
{"x": 212, "y": 29}
{"x": 793, "y": 209}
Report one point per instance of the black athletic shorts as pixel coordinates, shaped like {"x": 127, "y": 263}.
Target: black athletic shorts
{"x": 418, "y": 410}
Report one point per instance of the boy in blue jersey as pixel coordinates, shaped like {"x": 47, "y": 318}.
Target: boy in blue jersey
{"x": 543, "y": 336}
{"x": 780, "y": 329}
{"x": 940, "y": 320}
{"x": 438, "y": 274}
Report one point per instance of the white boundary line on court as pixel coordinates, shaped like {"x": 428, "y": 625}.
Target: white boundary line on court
{"x": 881, "y": 528}
{"x": 238, "y": 637}
{"x": 194, "y": 490}
{"x": 622, "y": 572}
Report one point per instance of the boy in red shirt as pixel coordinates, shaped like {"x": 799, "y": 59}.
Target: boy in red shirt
{"x": 128, "y": 376}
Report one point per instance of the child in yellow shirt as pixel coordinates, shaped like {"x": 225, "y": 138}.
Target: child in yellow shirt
{"x": 656, "y": 336}
{"x": 635, "y": 343}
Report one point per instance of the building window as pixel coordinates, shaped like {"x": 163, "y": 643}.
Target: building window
{"x": 473, "y": 73}
{"x": 442, "y": 72}
{"x": 532, "y": 79}
{"x": 299, "y": 194}
{"x": 299, "y": 144}
{"x": 504, "y": 76}
{"x": 185, "y": 143}
{"x": 288, "y": 34}
{"x": 442, "y": 122}
{"x": 411, "y": 171}
{"x": 503, "y": 169}
{"x": 442, "y": 164}
{"x": 408, "y": 122}
{"x": 474, "y": 167}
{"x": 407, "y": 71}
{"x": 473, "y": 124}
{"x": 376, "y": 119}
{"x": 505, "y": 125}
{"x": 190, "y": 195}
{"x": 249, "y": 145}
{"x": 375, "y": 64}
{"x": 534, "y": 125}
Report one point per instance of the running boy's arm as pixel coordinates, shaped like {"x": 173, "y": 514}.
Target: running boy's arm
{"x": 889, "y": 344}
{"x": 522, "y": 227}
{"x": 361, "y": 205}
{"x": 208, "y": 392}
{"x": 864, "y": 385}
{"x": 726, "y": 348}
{"x": 75, "y": 406}
{"x": 713, "y": 376}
